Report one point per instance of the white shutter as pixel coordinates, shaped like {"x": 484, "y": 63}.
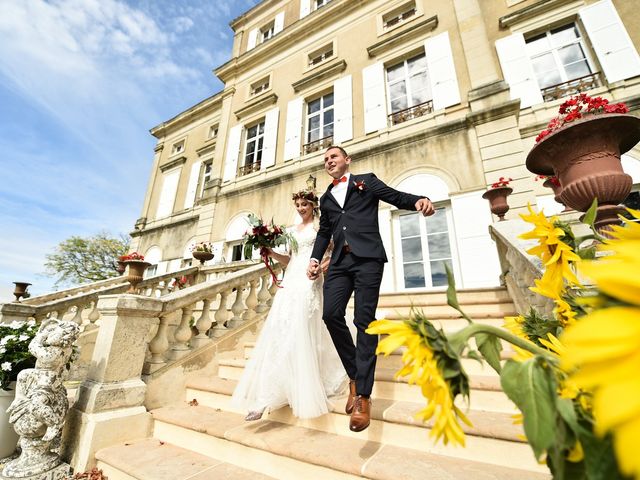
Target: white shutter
{"x": 610, "y": 40}
{"x": 161, "y": 269}
{"x": 442, "y": 71}
{"x": 253, "y": 38}
{"x": 233, "y": 150}
{"x": 278, "y": 23}
{"x": 375, "y": 105}
{"x": 305, "y": 8}
{"x": 270, "y": 138}
{"x": 168, "y": 193}
{"x": 478, "y": 256}
{"x": 293, "y": 130}
{"x": 384, "y": 223}
{"x": 518, "y": 70}
{"x": 343, "y": 110}
{"x": 192, "y": 187}
{"x": 216, "y": 249}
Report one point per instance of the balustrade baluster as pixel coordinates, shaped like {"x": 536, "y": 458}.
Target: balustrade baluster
{"x": 203, "y": 325}
{"x": 263, "y": 295}
{"x": 77, "y": 318}
{"x": 182, "y": 334}
{"x": 251, "y": 302}
{"x": 165, "y": 288}
{"x": 273, "y": 288}
{"x": 94, "y": 315}
{"x": 237, "y": 308}
{"x": 159, "y": 345}
{"x": 221, "y": 315}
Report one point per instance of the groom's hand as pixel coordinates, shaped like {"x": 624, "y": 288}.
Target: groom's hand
{"x": 313, "y": 270}
{"x": 425, "y": 207}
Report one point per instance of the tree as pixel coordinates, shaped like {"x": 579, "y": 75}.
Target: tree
{"x": 83, "y": 260}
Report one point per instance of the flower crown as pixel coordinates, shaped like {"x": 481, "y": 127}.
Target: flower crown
{"x": 305, "y": 195}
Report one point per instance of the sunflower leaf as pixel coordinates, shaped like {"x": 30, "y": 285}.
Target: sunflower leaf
{"x": 590, "y": 215}
{"x": 490, "y": 347}
{"x": 532, "y": 388}
{"x": 452, "y": 297}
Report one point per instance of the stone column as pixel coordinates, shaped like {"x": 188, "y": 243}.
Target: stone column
{"x": 110, "y": 406}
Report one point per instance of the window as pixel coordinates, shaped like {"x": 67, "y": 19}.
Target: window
{"x": 319, "y": 123}
{"x": 398, "y": 16}
{"x": 559, "y": 58}
{"x": 260, "y": 86}
{"x": 177, "y": 147}
{"x": 236, "y": 253}
{"x": 206, "y": 176}
{"x": 267, "y": 32}
{"x": 321, "y": 55}
{"x": 409, "y": 89}
{"x": 213, "y": 132}
{"x": 320, "y": 3}
{"x": 253, "y": 150}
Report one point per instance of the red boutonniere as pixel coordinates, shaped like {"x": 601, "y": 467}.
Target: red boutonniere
{"x": 360, "y": 186}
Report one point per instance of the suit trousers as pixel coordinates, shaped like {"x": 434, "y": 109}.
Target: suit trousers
{"x": 362, "y": 276}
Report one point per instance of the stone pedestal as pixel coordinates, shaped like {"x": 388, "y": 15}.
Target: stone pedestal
{"x": 61, "y": 472}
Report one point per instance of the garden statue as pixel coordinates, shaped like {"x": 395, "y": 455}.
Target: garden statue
{"x": 40, "y": 406}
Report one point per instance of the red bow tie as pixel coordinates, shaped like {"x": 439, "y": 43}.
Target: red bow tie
{"x": 336, "y": 181}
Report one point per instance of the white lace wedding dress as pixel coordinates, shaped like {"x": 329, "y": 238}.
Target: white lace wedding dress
{"x": 294, "y": 361}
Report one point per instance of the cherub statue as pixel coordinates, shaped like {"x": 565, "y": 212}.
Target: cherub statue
{"x": 40, "y": 406}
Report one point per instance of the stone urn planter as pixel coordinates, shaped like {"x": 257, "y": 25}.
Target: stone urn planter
{"x": 585, "y": 156}
{"x": 7, "y": 433}
{"x": 202, "y": 256}
{"x": 20, "y": 290}
{"x": 498, "y": 200}
{"x": 135, "y": 274}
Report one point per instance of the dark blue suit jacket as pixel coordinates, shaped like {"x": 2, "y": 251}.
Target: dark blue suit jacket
{"x": 357, "y": 222}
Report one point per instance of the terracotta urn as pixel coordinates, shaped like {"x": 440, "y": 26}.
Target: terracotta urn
{"x": 202, "y": 256}
{"x": 20, "y": 290}
{"x": 136, "y": 273}
{"x": 585, "y": 156}
{"x": 498, "y": 200}
{"x": 121, "y": 267}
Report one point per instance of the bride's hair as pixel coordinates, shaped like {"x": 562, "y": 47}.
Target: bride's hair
{"x": 310, "y": 197}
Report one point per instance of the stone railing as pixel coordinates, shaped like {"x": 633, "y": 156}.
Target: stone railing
{"x": 519, "y": 269}
{"x": 146, "y": 336}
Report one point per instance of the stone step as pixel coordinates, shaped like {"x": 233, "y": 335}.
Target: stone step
{"x": 292, "y": 451}
{"x": 216, "y": 392}
{"x": 465, "y": 297}
{"x": 445, "y": 312}
{"x": 152, "y": 459}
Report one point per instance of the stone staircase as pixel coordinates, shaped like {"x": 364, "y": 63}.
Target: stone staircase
{"x": 204, "y": 438}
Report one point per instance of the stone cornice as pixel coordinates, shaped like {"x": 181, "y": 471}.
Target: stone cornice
{"x": 172, "y": 163}
{"x": 315, "y": 76}
{"x": 395, "y": 38}
{"x": 256, "y": 105}
{"x": 525, "y": 13}
{"x": 505, "y": 109}
{"x": 240, "y": 20}
{"x": 288, "y": 38}
{"x": 166, "y": 223}
{"x": 204, "y": 107}
{"x": 208, "y": 147}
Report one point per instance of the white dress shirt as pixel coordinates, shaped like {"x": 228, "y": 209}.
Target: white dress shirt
{"x": 339, "y": 191}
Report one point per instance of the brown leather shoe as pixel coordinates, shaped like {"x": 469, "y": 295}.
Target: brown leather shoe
{"x": 352, "y": 397}
{"x": 361, "y": 416}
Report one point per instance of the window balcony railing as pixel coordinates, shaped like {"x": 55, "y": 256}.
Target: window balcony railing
{"x": 250, "y": 168}
{"x": 411, "y": 112}
{"x": 311, "y": 147}
{"x": 572, "y": 87}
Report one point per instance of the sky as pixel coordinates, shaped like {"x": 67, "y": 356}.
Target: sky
{"x": 81, "y": 84}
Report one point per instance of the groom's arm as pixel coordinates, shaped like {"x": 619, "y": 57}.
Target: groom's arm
{"x": 403, "y": 200}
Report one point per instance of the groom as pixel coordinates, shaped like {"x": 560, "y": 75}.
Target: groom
{"x": 350, "y": 216}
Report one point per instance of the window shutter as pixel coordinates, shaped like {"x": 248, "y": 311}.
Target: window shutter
{"x": 478, "y": 257}
{"x": 442, "y": 71}
{"x": 343, "y": 109}
{"x": 168, "y": 193}
{"x": 305, "y": 8}
{"x": 518, "y": 70}
{"x": 192, "y": 187}
{"x": 613, "y": 46}
{"x": 278, "y": 23}
{"x": 216, "y": 249}
{"x": 293, "y": 130}
{"x": 270, "y": 138}
{"x": 233, "y": 150}
{"x": 375, "y": 105}
{"x": 253, "y": 38}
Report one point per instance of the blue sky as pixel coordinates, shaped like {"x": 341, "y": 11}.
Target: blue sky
{"x": 81, "y": 84}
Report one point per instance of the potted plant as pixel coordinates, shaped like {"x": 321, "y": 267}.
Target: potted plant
{"x": 202, "y": 251}
{"x": 137, "y": 266}
{"x": 14, "y": 357}
{"x": 497, "y": 195}
{"x": 582, "y": 147}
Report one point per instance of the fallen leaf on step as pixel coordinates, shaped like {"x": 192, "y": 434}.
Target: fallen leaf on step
{"x": 193, "y": 403}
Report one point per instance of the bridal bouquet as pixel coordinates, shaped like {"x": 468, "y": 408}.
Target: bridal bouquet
{"x": 262, "y": 236}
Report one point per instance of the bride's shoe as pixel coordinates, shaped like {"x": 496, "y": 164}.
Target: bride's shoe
{"x": 257, "y": 415}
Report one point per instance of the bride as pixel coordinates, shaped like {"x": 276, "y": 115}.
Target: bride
{"x": 294, "y": 361}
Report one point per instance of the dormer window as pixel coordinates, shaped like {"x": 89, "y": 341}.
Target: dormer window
{"x": 267, "y": 32}
{"x": 213, "y": 132}
{"x": 260, "y": 86}
{"x": 177, "y": 147}
{"x": 399, "y": 15}
{"x": 321, "y": 55}
{"x": 320, "y": 3}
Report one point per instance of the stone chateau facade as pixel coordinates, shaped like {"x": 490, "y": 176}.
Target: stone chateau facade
{"x": 438, "y": 97}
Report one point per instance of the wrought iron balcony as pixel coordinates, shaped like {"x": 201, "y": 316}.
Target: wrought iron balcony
{"x": 572, "y": 87}
{"x": 318, "y": 145}
{"x": 411, "y": 112}
{"x": 247, "y": 169}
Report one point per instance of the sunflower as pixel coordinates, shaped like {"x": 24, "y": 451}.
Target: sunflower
{"x": 424, "y": 361}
